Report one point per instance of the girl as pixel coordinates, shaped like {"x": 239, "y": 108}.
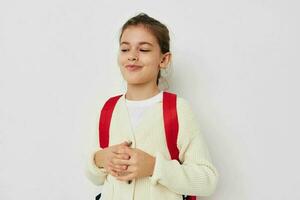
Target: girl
{"x": 137, "y": 163}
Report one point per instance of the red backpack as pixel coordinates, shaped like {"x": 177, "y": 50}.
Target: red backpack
{"x": 170, "y": 124}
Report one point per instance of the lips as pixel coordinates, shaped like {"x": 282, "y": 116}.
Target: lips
{"x": 133, "y": 67}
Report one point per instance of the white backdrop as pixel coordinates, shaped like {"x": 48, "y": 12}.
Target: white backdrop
{"x": 236, "y": 61}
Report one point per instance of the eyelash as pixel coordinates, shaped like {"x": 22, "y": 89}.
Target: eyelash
{"x": 143, "y": 50}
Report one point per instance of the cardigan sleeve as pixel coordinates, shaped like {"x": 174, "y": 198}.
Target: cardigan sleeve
{"x": 93, "y": 173}
{"x": 195, "y": 175}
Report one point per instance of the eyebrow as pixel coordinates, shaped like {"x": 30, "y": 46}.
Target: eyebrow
{"x": 140, "y": 43}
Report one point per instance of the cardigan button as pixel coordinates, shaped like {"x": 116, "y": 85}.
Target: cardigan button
{"x": 129, "y": 143}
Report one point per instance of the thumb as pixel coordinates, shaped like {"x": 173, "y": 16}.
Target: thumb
{"x": 127, "y": 143}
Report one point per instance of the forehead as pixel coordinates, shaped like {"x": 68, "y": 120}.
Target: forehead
{"x": 138, "y": 35}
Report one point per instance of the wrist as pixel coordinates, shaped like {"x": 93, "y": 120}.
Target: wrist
{"x": 98, "y": 159}
{"x": 153, "y": 160}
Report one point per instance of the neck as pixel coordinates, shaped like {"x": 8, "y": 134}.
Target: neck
{"x": 141, "y": 91}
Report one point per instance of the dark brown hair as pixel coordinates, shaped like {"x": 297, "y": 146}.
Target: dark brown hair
{"x": 159, "y": 30}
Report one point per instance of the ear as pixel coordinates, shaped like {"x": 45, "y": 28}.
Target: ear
{"x": 165, "y": 60}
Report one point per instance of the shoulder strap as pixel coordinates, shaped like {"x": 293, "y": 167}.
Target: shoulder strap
{"x": 171, "y": 123}
{"x": 105, "y": 118}
{"x": 171, "y": 127}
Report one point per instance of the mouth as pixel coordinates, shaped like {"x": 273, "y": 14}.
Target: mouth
{"x": 133, "y": 67}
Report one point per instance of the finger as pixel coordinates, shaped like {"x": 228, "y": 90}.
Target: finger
{"x": 122, "y": 156}
{"x": 113, "y": 172}
{"x": 125, "y": 143}
{"x": 119, "y": 146}
{"x": 127, "y": 177}
{"x": 131, "y": 168}
{"x": 126, "y": 150}
{"x": 116, "y": 161}
{"x": 118, "y": 168}
{"x": 114, "y": 149}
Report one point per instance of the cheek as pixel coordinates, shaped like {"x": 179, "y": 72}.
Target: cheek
{"x": 154, "y": 61}
{"x": 120, "y": 60}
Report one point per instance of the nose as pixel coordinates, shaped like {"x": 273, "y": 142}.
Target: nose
{"x": 133, "y": 56}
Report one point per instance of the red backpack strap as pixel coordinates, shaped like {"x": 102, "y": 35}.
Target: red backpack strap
{"x": 171, "y": 123}
{"x": 191, "y": 198}
{"x": 105, "y": 118}
{"x": 171, "y": 127}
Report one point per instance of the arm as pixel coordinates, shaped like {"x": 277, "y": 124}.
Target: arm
{"x": 196, "y": 175}
{"x": 95, "y": 174}
{"x": 99, "y": 161}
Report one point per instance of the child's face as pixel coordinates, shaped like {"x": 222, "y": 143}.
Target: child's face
{"x": 139, "y": 47}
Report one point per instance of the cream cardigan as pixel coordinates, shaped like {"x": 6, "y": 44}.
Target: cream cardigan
{"x": 195, "y": 176}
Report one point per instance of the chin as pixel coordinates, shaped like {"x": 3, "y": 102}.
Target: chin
{"x": 133, "y": 79}
{"x": 130, "y": 82}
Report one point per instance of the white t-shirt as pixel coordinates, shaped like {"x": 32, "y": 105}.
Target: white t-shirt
{"x": 136, "y": 108}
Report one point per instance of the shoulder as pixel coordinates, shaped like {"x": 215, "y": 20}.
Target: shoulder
{"x": 103, "y": 100}
{"x": 188, "y": 122}
{"x": 183, "y": 107}
{"x": 181, "y": 103}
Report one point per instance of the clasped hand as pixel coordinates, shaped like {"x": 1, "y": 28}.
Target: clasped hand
{"x": 126, "y": 163}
